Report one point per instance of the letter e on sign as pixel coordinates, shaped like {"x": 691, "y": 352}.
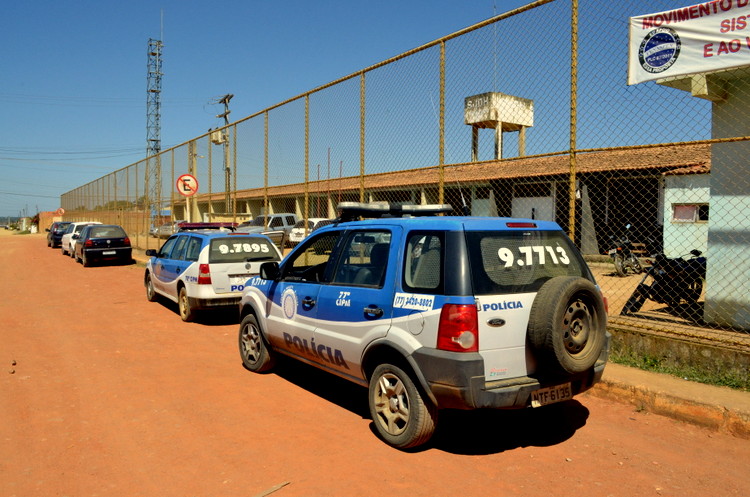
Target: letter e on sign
{"x": 187, "y": 185}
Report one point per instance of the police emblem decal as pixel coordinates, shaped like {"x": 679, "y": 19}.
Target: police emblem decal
{"x": 659, "y": 50}
{"x": 289, "y": 302}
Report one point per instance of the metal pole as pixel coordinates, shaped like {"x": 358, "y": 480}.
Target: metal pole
{"x": 573, "y": 117}
{"x": 210, "y": 182}
{"x": 306, "y": 208}
{"x": 362, "y": 137}
{"x": 192, "y": 157}
{"x": 265, "y": 165}
{"x": 234, "y": 176}
{"x": 171, "y": 189}
{"x": 441, "y": 142}
{"x": 227, "y": 175}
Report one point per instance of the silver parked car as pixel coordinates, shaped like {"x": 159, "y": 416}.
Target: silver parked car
{"x": 168, "y": 229}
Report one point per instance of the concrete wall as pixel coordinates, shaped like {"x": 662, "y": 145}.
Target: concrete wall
{"x": 682, "y": 237}
{"x": 728, "y": 276}
{"x": 712, "y": 360}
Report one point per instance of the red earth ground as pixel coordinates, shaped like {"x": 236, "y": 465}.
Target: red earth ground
{"x": 105, "y": 394}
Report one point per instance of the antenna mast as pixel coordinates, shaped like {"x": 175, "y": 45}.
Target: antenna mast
{"x": 153, "y": 128}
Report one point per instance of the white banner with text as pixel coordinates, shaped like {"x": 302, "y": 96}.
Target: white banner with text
{"x": 706, "y": 37}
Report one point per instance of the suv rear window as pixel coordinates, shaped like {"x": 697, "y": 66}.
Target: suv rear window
{"x": 241, "y": 249}
{"x": 520, "y": 262}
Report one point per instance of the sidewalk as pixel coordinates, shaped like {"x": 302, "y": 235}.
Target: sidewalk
{"x": 718, "y": 408}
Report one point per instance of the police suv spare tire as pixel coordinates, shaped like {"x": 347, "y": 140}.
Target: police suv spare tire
{"x": 567, "y": 325}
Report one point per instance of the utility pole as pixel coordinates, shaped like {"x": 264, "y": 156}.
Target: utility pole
{"x": 224, "y": 138}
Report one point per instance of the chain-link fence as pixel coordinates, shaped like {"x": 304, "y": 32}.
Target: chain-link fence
{"x": 527, "y": 114}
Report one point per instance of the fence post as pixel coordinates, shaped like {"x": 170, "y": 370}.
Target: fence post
{"x": 305, "y": 210}
{"x": 362, "y": 137}
{"x": 441, "y": 144}
{"x": 573, "y": 117}
{"x": 265, "y": 165}
{"x": 234, "y": 174}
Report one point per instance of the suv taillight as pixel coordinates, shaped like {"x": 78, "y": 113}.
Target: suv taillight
{"x": 459, "y": 328}
{"x": 204, "y": 275}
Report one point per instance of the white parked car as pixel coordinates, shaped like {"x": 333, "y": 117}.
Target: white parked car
{"x": 298, "y": 231}
{"x": 206, "y": 268}
{"x": 67, "y": 243}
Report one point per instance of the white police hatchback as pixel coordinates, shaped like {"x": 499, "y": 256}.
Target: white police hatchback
{"x": 432, "y": 312}
{"x": 205, "y": 266}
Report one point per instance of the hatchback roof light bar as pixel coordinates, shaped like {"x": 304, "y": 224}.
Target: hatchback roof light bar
{"x": 520, "y": 224}
{"x": 207, "y": 226}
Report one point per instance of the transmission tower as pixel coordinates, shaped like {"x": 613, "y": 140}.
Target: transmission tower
{"x": 153, "y": 127}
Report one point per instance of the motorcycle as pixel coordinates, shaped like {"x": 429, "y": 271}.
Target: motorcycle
{"x": 673, "y": 281}
{"x": 623, "y": 257}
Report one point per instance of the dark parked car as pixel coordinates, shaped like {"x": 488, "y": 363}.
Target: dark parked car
{"x": 102, "y": 242}
{"x": 55, "y": 233}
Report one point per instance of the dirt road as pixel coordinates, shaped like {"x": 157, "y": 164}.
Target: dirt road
{"x": 105, "y": 394}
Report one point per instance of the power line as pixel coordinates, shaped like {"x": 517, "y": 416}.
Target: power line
{"x": 84, "y": 101}
{"x": 94, "y": 154}
{"x": 31, "y": 195}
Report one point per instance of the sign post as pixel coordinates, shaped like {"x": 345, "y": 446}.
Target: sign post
{"x": 187, "y": 186}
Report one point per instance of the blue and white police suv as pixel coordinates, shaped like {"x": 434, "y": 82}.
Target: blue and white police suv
{"x": 205, "y": 266}
{"x": 432, "y": 312}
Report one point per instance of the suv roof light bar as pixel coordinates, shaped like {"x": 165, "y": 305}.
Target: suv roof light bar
{"x": 350, "y": 211}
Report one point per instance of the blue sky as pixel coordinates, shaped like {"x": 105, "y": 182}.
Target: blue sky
{"x": 73, "y": 83}
{"x": 73, "y": 79}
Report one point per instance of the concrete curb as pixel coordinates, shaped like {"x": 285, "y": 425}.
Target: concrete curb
{"x": 717, "y": 408}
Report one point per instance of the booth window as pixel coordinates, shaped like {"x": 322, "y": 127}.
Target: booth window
{"x": 689, "y": 213}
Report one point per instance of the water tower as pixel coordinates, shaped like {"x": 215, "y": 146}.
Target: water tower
{"x": 502, "y": 113}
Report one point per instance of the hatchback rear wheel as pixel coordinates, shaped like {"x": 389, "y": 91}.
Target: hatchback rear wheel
{"x": 187, "y": 313}
{"x": 150, "y": 292}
